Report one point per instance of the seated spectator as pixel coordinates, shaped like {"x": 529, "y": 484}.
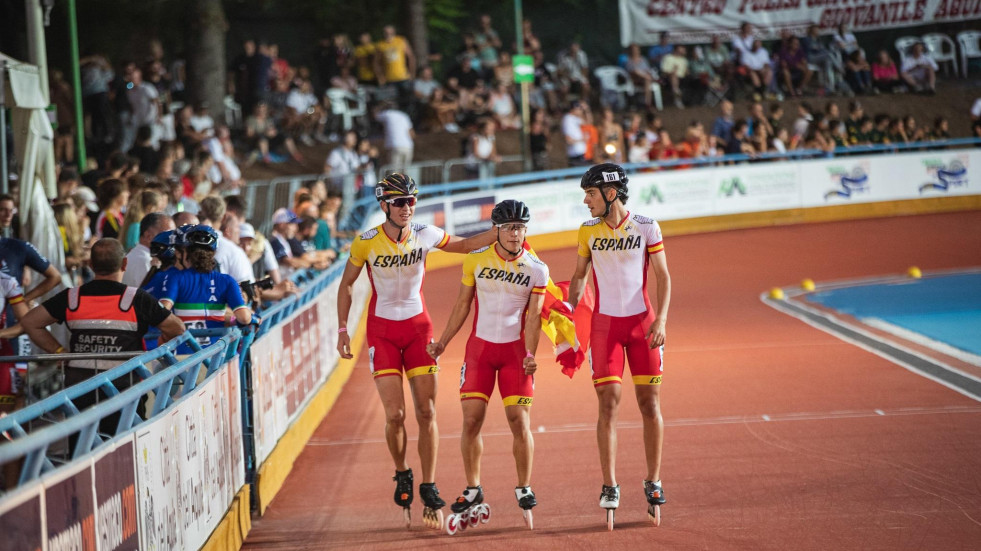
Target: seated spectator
{"x": 781, "y": 142}
{"x": 640, "y": 73}
{"x": 694, "y": 145}
{"x": 446, "y": 109}
{"x": 805, "y": 116}
{"x": 858, "y": 72}
{"x": 758, "y": 128}
{"x": 738, "y": 142}
{"x": 885, "y": 75}
{"x": 743, "y": 42}
{"x": 285, "y": 227}
{"x": 776, "y": 117}
{"x": 344, "y": 80}
{"x": 424, "y": 85}
{"x": 144, "y": 151}
{"x": 720, "y": 58}
{"x": 590, "y": 135}
{"x": 674, "y": 70}
{"x": 306, "y": 235}
{"x": 504, "y": 71}
{"x": 722, "y": 127}
{"x": 539, "y": 139}
{"x": 224, "y": 171}
{"x": 941, "y": 129}
{"x": 818, "y": 54}
{"x": 755, "y": 65}
{"x": 920, "y": 70}
{"x": 657, "y": 52}
{"x": 897, "y": 131}
{"x": 702, "y": 77}
{"x": 640, "y": 150}
{"x": 880, "y": 131}
{"x": 794, "y": 67}
{"x": 845, "y": 40}
{"x": 913, "y": 131}
{"x": 343, "y": 160}
{"x": 853, "y": 124}
{"x": 264, "y": 138}
{"x": 818, "y": 135}
{"x": 303, "y": 114}
{"x": 573, "y": 72}
{"x": 502, "y": 107}
{"x": 664, "y": 149}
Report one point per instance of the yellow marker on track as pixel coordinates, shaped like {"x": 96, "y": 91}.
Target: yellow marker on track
{"x": 807, "y": 284}
{"x": 776, "y": 293}
{"x": 914, "y": 272}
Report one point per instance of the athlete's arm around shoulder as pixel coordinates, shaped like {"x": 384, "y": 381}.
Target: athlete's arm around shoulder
{"x": 464, "y": 245}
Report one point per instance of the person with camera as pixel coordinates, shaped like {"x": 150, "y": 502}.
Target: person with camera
{"x": 199, "y": 294}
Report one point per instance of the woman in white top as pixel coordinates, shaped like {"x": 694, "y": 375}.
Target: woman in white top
{"x": 483, "y": 150}
{"x": 845, "y": 40}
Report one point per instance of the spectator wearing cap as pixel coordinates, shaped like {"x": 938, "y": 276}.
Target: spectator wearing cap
{"x": 285, "y": 228}
{"x": 103, "y": 315}
{"x": 230, "y": 257}
{"x": 139, "y": 258}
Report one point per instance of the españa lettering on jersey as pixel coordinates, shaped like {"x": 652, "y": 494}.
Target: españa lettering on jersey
{"x": 517, "y": 278}
{"x": 619, "y": 257}
{"x": 396, "y": 269}
{"x": 502, "y": 288}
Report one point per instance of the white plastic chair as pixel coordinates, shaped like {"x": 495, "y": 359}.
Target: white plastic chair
{"x": 347, "y": 105}
{"x": 970, "y": 42}
{"x": 903, "y": 45}
{"x": 616, "y": 80}
{"x": 233, "y": 112}
{"x": 942, "y": 49}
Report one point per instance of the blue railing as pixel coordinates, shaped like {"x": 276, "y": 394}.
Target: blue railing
{"x": 177, "y": 379}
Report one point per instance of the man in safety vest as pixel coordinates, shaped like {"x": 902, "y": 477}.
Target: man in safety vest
{"x": 103, "y": 316}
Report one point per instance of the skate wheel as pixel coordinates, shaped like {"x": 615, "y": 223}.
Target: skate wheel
{"x": 433, "y": 518}
{"x": 609, "y": 519}
{"x": 654, "y": 513}
{"x": 474, "y": 517}
{"x": 529, "y": 521}
{"x": 485, "y": 513}
{"x": 407, "y": 516}
{"x": 452, "y": 524}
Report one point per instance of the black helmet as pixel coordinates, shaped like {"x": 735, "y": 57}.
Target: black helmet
{"x": 510, "y": 210}
{"x": 604, "y": 174}
{"x": 395, "y": 185}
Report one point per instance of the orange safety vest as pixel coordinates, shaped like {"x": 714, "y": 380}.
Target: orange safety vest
{"x": 102, "y": 324}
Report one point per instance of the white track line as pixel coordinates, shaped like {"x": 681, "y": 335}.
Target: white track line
{"x": 923, "y": 340}
{"x": 710, "y": 421}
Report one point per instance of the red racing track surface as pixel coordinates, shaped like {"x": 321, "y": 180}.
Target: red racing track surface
{"x": 779, "y": 436}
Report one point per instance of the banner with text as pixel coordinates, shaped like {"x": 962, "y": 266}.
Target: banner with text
{"x": 695, "y": 21}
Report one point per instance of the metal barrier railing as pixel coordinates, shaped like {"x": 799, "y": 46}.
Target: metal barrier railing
{"x": 175, "y": 380}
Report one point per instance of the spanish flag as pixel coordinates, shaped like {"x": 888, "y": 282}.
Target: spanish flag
{"x": 568, "y": 331}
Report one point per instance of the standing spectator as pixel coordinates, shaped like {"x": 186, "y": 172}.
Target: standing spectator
{"x": 364, "y": 60}
{"x": 488, "y": 43}
{"x": 575, "y": 139}
{"x": 303, "y": 113}
{"x": 743, "y": 43}
{"x": 138, "y": 260}
{"x": 63, "y": 99}
{"x": 674, "y": 68}
{"x": 853, "y": 124}
{"x": 611, "y": 137}
{"x": 395, "y": 64}
{"x": 112, "y": 196}
{"x": 240, "y": 76}
{"x": 573, "y": 69}
{"x": 97, "y": 74}
{"x": 722, "y": 127}
{"x": 482, "y": 156}
{"x": 885, "y": 75}
{"x": 143, "y": 203}
{"x": 640, "y": 149}
{"x": 718, "y": 56}
{"x": 738, "y": 142}
{"x": 657, "y": 52}
{"x": 399, "y": 135}
{"x": 694, "y": 145}
{"x": 9, "y": 221}
{"x": 100, "y": 312}
{"x": 342, "y": 160}
{"x": 144, "y": 103}
{"x": 758, "y": 127}
{"x": 532, "y": 43}
{"x": 920, "y": 70}
{"x": 640, "y": 72}
{"x": 540, "y": 138}
{"x": 231, "y": 259}
{"x": 502, "y": 107}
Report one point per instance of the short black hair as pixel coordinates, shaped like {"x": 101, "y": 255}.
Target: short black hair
{"x": 107, "y": 256}
{"x": 150, "y": 221}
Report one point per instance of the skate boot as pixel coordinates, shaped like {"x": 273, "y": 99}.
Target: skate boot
{"x": 526, "y": 500}
{"x": 469, "y": 510}
{"x": 432, "y": 514}
{"x": 403, "y": 493}
{"x": 655, "y": 498}
{"x": 610, "y": 500}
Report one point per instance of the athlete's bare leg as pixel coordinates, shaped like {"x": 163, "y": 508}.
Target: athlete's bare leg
{"x": 424, "y": 395}
{"x": 519, "y": 419}
{"x": 606, "y": 430}
{"x": 649, "y": 400}
{"x": 393, "y": 400}
{"x": 471, "y": 443}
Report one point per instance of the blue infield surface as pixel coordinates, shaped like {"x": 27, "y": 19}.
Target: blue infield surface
{"x": 943, "y": 308}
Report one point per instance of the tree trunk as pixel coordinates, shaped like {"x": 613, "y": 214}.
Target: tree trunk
{"x": 418, "y": 33}
{"x": 205, "y": 47}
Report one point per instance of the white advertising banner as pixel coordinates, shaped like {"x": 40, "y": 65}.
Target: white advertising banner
{"x": 694, "y": 21}
{"x": 290, "y": 362}
{"x": 742, "y": 188}
{"x": 185, "y": 468}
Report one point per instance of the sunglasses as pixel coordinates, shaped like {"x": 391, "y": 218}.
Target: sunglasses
{"x": 513, "y": 227}
{"x": 402, "y": 202}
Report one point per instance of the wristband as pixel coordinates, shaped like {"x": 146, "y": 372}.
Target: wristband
{"x": 529, "y": 354}
{"x": 342, "y": 330}
{"x": 60, "y": 350}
